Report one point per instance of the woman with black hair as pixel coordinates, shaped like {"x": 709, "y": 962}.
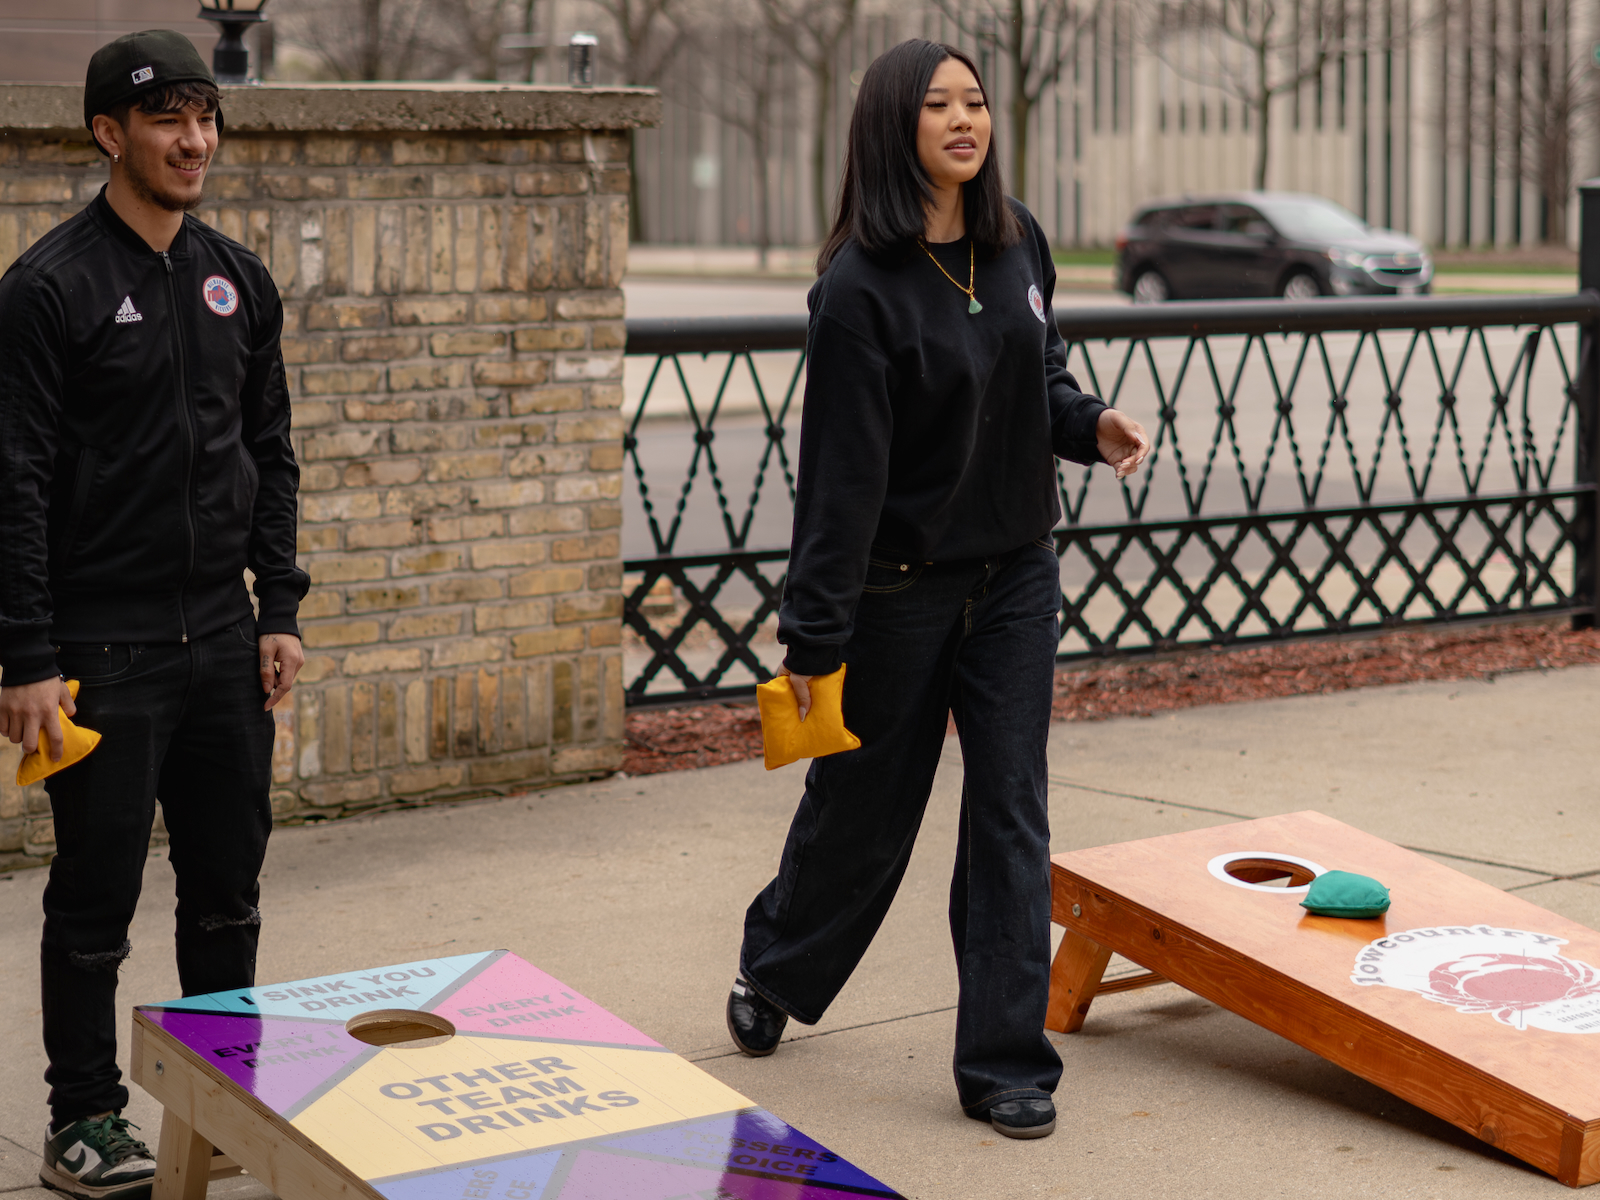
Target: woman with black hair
{"x": 936, "y": 396}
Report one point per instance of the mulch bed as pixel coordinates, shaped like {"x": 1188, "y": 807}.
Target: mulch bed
{"x": 706, "y": 735}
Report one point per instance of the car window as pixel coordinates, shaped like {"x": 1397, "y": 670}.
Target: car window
{"x": 1313, "y": 220}
{"x": 1241, "y": 218}
{"x": 1155, "y": 218}
{"x": 1195, "y": 216}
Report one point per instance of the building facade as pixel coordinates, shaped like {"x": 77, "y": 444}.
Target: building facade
{"x": 1463, "y": 122}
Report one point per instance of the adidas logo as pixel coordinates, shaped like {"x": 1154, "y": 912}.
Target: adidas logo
{"x": 127, "y": 314}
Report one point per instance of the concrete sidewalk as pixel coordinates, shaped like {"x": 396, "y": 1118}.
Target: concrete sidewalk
{"x": 633, "y": 890}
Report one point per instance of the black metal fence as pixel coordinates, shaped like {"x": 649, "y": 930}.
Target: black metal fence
{"x": 1319, "y": 467}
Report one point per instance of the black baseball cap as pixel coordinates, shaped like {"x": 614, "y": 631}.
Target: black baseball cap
{"x": 135, "y": 63}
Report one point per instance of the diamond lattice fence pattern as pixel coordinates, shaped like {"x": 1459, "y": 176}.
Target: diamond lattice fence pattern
{"x": 1317, "y": 468}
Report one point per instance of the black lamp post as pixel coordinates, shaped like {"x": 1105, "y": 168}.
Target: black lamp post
{"x": 230, "y": 61}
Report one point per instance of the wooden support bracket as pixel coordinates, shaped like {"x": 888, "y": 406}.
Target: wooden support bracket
{"x": 183, "y": 1161}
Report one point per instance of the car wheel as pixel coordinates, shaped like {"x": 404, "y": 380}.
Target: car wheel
{"x": 1302, "y": 285}
{"x": 1151, "y": 288}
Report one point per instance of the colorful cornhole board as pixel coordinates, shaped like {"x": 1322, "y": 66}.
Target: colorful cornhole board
{"x": 1470, "y": 1003}
{"x": 539, "y": 1095}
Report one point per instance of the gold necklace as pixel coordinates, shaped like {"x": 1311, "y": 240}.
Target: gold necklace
{"x": 972, "y": 265}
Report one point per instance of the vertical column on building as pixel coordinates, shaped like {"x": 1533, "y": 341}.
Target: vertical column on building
{"x": 1586, "y": 136}
{"x": 1425, "y": 218}
{"x": 1149, "y": 180}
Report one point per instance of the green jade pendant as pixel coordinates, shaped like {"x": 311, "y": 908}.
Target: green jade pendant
{"x": 973, "y": 306}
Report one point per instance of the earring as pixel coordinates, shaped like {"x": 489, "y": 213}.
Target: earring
{"x": 116, "y": 158}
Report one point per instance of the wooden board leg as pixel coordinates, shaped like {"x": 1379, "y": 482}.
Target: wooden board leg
{"x": 1074, "y": 979}
{"x": 183, "y": 1161}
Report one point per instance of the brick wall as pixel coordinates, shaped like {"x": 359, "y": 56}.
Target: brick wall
{"x": 450, "y": 260}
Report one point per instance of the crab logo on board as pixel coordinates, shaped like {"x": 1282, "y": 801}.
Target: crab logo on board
{"x": 1517, "y": 976}
{"x": 220, "y": 295}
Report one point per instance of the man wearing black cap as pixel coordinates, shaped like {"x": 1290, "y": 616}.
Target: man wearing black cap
{"x": 145, "y": 465}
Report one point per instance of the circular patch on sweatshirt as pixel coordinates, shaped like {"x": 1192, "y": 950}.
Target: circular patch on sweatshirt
{"x": 220, "y": 295}
{"x": 1036, "y": 301}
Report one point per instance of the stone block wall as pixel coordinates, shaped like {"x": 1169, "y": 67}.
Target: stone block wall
{"x": 450, "y": 260}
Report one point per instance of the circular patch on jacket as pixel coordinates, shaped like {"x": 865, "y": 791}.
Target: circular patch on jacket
{"x": 1036, "y": 301}
{"x": 220, "y": 295}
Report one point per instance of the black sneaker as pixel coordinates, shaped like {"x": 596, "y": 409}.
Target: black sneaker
{"x": 754, "y": 1025}
{"x": 1032, "y": 1118}
{"x": 98, "y": 1159}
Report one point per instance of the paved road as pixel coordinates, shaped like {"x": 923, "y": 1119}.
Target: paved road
{"x": 734, "y": 296}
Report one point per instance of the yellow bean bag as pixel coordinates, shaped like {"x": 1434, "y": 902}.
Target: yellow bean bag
{"x": 76, "y": 743}
{"x": 786, "y": 738}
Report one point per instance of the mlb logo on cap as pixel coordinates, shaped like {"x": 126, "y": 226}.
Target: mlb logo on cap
{"x": 144, "y": 75}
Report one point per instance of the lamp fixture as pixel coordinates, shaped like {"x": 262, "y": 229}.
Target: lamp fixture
{"x": 230, "y": 61}
{"x": 580, "y": 59}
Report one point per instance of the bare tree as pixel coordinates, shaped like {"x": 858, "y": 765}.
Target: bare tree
{"x": 362, "y": 39}
{"x": 477, "y": 26}
{"x": 746, "y": 91}
{"x": 403, "y": 39}
{"x": 530, "y": 29}
{"x": 1037, "y": 39}
{"x": 1557, "y": 94}
{"x": 645, "y": 36}
{"x": 1253, "y": 50}
{"x": 814, "y": 31}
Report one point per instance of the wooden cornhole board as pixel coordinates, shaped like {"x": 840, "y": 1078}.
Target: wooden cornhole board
{"x": 540, "y": 1094}
{"x": 1468, "y": 1002}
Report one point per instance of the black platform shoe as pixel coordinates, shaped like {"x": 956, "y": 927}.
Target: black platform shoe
{"x": 754, "y": 1025}
{"x": 1032, "y": 1118}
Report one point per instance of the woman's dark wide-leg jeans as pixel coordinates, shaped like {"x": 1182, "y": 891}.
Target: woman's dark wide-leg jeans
{"x": 978, "y": 639}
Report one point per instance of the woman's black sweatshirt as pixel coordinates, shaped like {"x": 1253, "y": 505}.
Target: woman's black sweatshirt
{"x": 929, "y": 433}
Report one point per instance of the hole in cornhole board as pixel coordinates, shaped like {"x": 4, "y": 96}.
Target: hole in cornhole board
{"x": 1265, "y": 871}
{"x": 1269, "y": 871}
{"x": 399, "y": 1027}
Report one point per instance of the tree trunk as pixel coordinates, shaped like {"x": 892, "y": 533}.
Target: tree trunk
{"x": 635, "y": 201}
{"x": 759, "y": 139}
{"x": 372, "y": 38}
{"x": 1263, "y": 107}
{"x": 1556, "y": 142}
{"x": 1556, "y": 167}
{"x": 1021, "y": 112}
{"x": 823, "y": 77}
{"x": 1263, "y": 114}
{"x": 1021, "y": 102}
{"x": 529, "y": 26}
{"x": 1519, "y": 132}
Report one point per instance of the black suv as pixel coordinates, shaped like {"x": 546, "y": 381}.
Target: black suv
{"x": 1263, "y": 244}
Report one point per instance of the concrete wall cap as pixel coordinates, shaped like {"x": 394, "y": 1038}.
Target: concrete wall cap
{"x": 423, "y": 107}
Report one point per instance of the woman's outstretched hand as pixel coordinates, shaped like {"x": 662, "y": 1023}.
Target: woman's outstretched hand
{"x": 802, "y": 689}
{"x": 1122, "y": 441}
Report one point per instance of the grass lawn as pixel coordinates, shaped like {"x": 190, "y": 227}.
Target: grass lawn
{"x": 1509, "y": 268}
{"x": 1084, "y": 258}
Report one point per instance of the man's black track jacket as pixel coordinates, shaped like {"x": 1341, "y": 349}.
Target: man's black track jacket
{"x": 144, "y": 443}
